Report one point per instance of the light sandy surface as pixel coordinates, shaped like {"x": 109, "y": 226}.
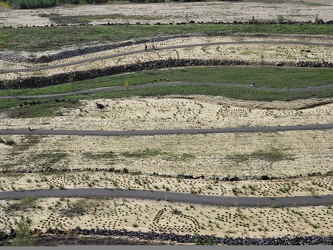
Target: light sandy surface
{"x": 268, "y": 49}
{"x": 138, "y": 215}
{"x": 174, "y": 112}
{"x": 305, "y": 186}
{"x": 214, "y": 154}
{"x": 178, "y": 12}
{"x": 218, "y": 155}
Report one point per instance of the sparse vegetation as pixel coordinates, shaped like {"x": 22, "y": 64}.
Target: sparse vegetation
{"x": 29, "y": 202}
{"x": 24, "y": 236}
{"x": 147, "y": 165}
{"x": 78, "y": 35}
{"x": 273, "y": 155}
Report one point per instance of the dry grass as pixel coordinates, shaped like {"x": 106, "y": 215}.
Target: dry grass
{"x": 218, "y": 155}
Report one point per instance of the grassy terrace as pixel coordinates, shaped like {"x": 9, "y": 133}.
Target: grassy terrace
{"x": 284, "y": 78}
{"x": 57, "y": 37}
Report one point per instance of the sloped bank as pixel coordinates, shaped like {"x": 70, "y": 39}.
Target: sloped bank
{"x": 37, "y": 82}
{"x": 190, "y": 238}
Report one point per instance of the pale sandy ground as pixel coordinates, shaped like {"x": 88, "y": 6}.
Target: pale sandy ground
{"x": 179, "y": 12}
{"x": 138, "y": 215}
{"x": 305, "y": 186}
{"x": 209, "y": 155}
{"x": 172, "y": 112}
{"x": 273, "y": 52}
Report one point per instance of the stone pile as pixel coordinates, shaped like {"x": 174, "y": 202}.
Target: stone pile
{"x": 203, "y": 239}
{"x": 37, "y": 82}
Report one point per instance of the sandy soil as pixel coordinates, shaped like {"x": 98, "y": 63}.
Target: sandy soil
{"x": 305, "y": 186}
{"x": 138, "y": 215}
{"x": 218, "y": 155}
{"x": 273, "y": 52}
{"x": 180, "y": 12}
{"x": 310, "y": 151}
{"x": 174, "y": 112}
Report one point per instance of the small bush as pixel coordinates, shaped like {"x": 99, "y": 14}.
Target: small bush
{"x": 9, "y": 142}
{"x": 3, "y": 235}
{"x": 23, "y": 234}
{"x": 4, "y": 6}
{"x": 79, "y": 208}
{"x": 280, "y": 19}
{"x": 23, "y": 205}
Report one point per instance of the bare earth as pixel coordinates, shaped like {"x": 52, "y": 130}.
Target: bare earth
{"x": 163, "y": 216}
{"x": 294, "y": 10}
{"x": 246, "y": 50}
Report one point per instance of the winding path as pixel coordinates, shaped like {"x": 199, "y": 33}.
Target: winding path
{"x": 165, "y": 132}
{"x": 170, "y": 196}
{"x": 173, "y": 197}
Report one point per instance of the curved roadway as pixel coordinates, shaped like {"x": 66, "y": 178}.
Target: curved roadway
{"x": 165, "y": 132}
{"x": 162, "y": 48}
{"x": 173, "y": 197}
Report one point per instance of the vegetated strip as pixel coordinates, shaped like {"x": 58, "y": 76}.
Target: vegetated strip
{"x": 167, "y": 132}
{"x": 173, "y": 197}
{"x": 163, "y": 84}
{"x": 36, "y": 82}
{"x": 47, "y": 38}
{"x": 285, "y": 77}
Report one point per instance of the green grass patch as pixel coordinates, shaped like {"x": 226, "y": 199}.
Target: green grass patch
{"x": 89, "y": 18}
{"x": 284, "y": 78}
{"x": 145, "y": 153}
{"x": 97, "y": 156}
{"x": 273, "y": 155}
{"x": 45, "y": 38}
{"x": 48, "y": 158}
{"x": 292, "y": 77}
{"x": 44, "y": 108}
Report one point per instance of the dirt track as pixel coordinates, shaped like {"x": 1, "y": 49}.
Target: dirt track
{"x": 174, "y": 197}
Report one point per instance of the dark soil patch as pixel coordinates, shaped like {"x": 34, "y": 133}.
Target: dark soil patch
{"x": 58, "y": 240}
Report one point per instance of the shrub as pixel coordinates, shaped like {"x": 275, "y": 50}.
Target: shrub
{"x": 9, "y": 142}
{"x": 280, "y": 19}
{"x": 23, "y": 234}
{"x": 23, "y": 205}
{"x": 4, "y": 6}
